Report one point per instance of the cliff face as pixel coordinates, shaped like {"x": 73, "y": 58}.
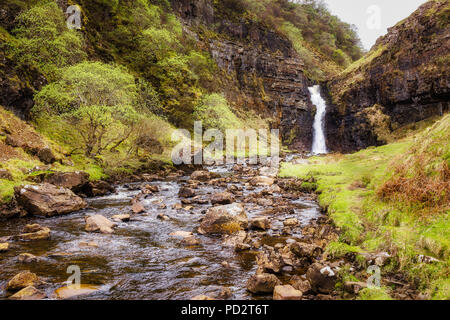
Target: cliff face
{"x": 404, "y": 79}
{"x": 263, "y": 71}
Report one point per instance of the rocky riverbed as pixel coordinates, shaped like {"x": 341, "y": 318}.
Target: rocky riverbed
{"x": 223, "y": 232}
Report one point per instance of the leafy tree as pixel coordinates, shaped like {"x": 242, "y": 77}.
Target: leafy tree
{"x": 96, "y": 100}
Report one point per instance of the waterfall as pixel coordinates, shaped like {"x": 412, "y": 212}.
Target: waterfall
{"x": 319, "y": 144}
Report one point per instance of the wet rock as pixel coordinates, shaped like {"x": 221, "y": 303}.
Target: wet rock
{"x": 48, "y": 200}
{"x": 224, "y": 219}
{"x": 260, "y": 224}
{"x": 4, "y": 247}
{"x": 305, "y": 250}
{"x": 121, "y": 217}
{"x": 202, "y": 297}
{"x": 5, "y": 175}
{"x": 240, "y": 247}
{"x": 269, "y": 262}
{"x": 263, "y": 202}
{"x": 99, "y": 223}
{"x": 74, "y": 181}
{"x": 201, "y": 175}
{"x": 262, "y": 181}
{"x": 181, "y": 234}
{"x": 322, "y": 278}
{"x": 150, "y": 188}
{"x": 22, "y": 280}
{"x": 191, "y": 241}
{"x": 222, "y": 198}
{"x": 98, "y": 189}
{"x": 302, "y": 285}
{"x": 137, "y": 207}
{"x": 35, "y": 232}
{"x": 73, "y": 290}
{"x": 28, "y": 293}
{"x": 292, "y": 222}
{"x": 186, "y": 192}
{"x": 163, "y": 217}
{"x": 354, "y": 287}
{"x": 27, "y": 258}
{"x": 262, "y": 283}
{"x": 225, "y": 294}
{"x": 286, "y": 292}
{"x": 89, "y": 244}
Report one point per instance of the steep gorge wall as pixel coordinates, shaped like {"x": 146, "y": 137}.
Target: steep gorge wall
{"x": 263, "y": 70}
{"x": 404, "y": 79}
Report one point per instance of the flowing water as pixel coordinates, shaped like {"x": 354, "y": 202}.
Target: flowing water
{"x": 140, "y": 260}
{"x": 319, "y": 143}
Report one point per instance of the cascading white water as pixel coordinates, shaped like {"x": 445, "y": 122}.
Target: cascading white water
{"x": 319, "y": 144}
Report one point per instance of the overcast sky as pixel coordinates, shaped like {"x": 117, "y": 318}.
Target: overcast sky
{"x": 364, "y": 14}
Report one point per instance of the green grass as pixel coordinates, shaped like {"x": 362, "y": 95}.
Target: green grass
{"x": 374, "y": 294}
{"x": 347, "y": 187}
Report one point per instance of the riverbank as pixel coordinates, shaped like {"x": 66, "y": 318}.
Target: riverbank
{"x": 391, "y": 199}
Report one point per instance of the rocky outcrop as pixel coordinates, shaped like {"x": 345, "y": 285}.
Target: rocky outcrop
{"x": 263, "y": 71}
{"x": 404, "y": 79}
{"x": 48, "y": 200}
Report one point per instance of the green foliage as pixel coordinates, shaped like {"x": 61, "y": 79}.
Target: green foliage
{"x": 215, "y": 113}
{"x": 374, "y": 294}
{"x": 97, "y": 100}
{"x": 44, "y": 41}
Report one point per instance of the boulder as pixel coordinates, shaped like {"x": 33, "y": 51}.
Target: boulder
{"x": 28, "y": 293}
{"x": 99, "y": 223}
{"x": 137, "y": 207}
{"x": 260, "y": 224}
{"x": 202, "y": 297}
{"x": 98, "y": 188}
{"x": 73, "y": 290}
{"x": 35, "y": 232}
{"x": 191, "y": 241}
{"x": 22, "y": 280}
{"x": 222, "y": 198}
{"x": 74, "y": 181}
{"x": 201, "y": 175}
{"x": 322, "y": 278}
{"x": 27, "y": 258}
{"x": 305, "y": 250}
{"x": 262, "y": 283}
{"x": 48, "y": 200}
{"x": 286, "y": 292}
{"x": 4, "y": 247}
{"x": 302, "y": 285}
{"x": 292, "y": 222}
{"x": 262, "y": 181}
{"x": 121, "y": 217}
{"x": 181, "y": 234}
{"x": 224, "y": 219}
{"x": 46, "y": 155}
{"x": 186, "y": 192}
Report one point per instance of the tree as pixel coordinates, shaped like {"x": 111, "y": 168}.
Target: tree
{"x": 97, "y": 101}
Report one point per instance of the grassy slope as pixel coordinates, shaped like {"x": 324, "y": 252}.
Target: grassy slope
{"x": 350, "y": 188}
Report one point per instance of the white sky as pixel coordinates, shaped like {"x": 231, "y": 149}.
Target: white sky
{"x": 355, "y": 12}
